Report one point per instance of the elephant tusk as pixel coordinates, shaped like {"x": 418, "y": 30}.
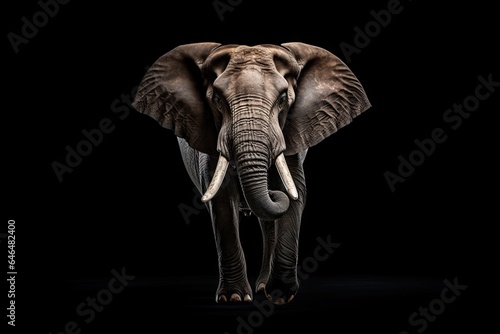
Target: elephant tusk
{"x": 286, "y": 177}
{"x": 220, "y": 172}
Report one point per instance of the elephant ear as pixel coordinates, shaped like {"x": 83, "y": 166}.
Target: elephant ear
{"x": 173, "y": 94}
{"x": 328, "y": 97}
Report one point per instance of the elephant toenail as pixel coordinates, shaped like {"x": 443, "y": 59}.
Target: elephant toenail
{"x": 235, "y": 297}
{"x": 280, "y": 301}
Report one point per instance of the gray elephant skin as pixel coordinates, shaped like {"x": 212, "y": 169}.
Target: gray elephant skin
{"x": 245, "y": 117}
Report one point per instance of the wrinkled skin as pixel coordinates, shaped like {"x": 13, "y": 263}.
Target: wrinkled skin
{"x": 248, "y": 107}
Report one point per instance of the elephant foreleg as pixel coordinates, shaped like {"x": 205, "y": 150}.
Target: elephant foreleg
{"x": 224, "y": 213}
{"x": 282, "y": 283}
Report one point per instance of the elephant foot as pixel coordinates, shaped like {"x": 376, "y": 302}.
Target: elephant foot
{"x": 281, "y": 291}
{"x": 233, "y": 292}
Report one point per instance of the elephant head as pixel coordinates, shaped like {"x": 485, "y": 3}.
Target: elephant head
{"x": 251, "y": 106}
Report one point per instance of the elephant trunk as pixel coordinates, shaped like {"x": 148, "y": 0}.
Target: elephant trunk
{"x": 253, "y": 157}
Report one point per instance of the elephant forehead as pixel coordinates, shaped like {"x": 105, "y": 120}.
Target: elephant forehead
{"x": 251, "y": 79}
{"x": 244, "y": 55}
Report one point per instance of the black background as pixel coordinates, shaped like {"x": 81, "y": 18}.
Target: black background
{"x": 120, "y": 206}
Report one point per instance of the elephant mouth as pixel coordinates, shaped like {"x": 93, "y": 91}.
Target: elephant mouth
{"x": 223, "y": 164}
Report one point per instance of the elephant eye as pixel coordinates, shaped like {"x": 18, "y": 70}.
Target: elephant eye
{"x": 217, "y": 101}
{"x": 283, "y": 99}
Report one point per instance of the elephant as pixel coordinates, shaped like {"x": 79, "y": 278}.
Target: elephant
{"x": 244, "y": 118}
